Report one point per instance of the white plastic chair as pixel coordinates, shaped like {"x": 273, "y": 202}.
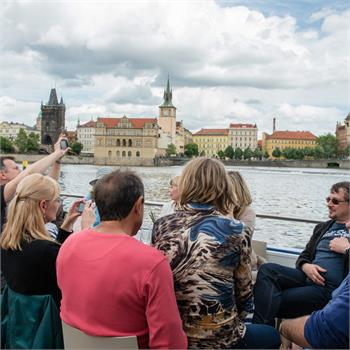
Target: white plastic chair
{"x": 76, "y": 339}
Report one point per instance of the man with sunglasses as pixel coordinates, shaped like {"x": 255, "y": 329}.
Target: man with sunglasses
{"x": 292, "y": 292}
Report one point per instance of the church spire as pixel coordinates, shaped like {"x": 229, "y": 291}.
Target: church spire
{"x": 168, "y": 95}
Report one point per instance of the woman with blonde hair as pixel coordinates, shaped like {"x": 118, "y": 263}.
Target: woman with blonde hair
{"x": 28, "y": 252}
{"x": 170, "y": 207}
{"x": 209, "y": 254}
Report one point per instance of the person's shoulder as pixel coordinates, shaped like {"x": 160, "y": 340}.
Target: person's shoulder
{"x": 324, "y": 225}
{"x": 146, "y": 252}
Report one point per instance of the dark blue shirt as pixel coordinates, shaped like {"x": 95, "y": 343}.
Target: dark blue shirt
{"x": 331, "y": 261}
{"x": 329, "y": 328}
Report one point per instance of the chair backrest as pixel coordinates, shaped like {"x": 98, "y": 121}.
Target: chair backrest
{"x": 76, "y": 339}
{"x": 259, "y": 248}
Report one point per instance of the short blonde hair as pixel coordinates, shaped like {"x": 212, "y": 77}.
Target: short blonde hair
{"x": 175, "y": 181}
{"x": 205, "y": 180}
{"x": 25, "y": 219}
{"x": 241, "y": 190}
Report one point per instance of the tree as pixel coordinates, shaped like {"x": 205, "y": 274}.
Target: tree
{"x": 221, "y": 154}
{"x": 309, "y": 152}
{"x": 318, "y": 152}
{"x": 191, "y": 149}
{"x": 171, "y": 149}
{"x": 248, "y": 153}
{"x": 238, "y": 153}
{"x": 202, "y": 154}
{"x": 288, "y": 153}
{"x": 258, "y": 153}
{"x": 77, "y": 147}
{"x": 22, "y": 141}
{"x": 266, "y": 155}
{"x": 276, "y": 153}
{"x": 328, "y": 143}
{"x": 6, "y": 145}
{"x": 33, "y": 142}
{"x": 229, "y": 152}
{"x": 299, "y": 153}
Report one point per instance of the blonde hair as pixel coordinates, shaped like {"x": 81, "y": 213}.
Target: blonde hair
{"x": 175, "y": 181}
{"x": 206, "y": 181}
{"x": 25, "y": 219}
{"x": 241, "y": 190}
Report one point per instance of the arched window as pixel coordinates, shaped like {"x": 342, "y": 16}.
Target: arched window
{"x": 129, "y": 154}
{"x": 118, "y": 153}
{"x": 124, "y": 143}
{"x": 129, "y": 143}
{"x": 123, "y": 154}
{"x": 137, "y": 153}
{"x": 118, "y": 143}
{"x": 109, "y": 154}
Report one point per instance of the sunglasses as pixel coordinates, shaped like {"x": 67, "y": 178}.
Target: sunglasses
{"x": 334, "y": 201}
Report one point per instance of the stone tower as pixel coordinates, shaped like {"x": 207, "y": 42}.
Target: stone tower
{"x": 167, "y": 114}
{"x": 52, "y": 119}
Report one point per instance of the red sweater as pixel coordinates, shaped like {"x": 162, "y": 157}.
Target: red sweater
{"x": 113, "y": 285}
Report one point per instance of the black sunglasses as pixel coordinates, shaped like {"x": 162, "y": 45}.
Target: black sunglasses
{"x": 334, "y": 200}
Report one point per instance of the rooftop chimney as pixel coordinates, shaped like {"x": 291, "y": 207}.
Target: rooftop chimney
{"x": 274, "y": 125}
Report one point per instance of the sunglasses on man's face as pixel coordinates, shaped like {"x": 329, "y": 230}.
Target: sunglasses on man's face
{"x": 334, "y": 201}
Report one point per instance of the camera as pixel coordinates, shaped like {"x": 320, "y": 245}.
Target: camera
{"x": 64, "y": 144}
{"x": 81, "y": 207}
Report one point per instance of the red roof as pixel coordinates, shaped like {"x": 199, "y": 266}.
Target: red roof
{"x": 297, "y": 135}
{"x": 242, "y": 125}
{"x": 219, "y": 132}
{"x": 137, "y": 123}
{"x": 90, "y": 124}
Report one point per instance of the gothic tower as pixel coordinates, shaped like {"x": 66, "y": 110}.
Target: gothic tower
{"x": 52, "y": 119}
{"x": 167, "y": 114}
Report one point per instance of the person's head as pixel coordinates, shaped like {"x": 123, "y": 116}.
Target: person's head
{"x": 36, "y": 202}
{"x": 241, "y": 190}
{"x": 205, "y": 181}
{"x": 119, "y": 196}
{"x": 173, "y": 189}
{"x": 8, "y": 169}
{"x": 338, "y": 202}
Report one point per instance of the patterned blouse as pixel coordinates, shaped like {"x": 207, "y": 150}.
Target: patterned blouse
{"x": 209, "y": 255}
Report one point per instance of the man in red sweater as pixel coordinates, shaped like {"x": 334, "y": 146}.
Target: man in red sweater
{"x": 112, "y": 284}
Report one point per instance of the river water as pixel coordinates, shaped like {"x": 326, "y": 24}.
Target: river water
{"x": 276, "y": 191}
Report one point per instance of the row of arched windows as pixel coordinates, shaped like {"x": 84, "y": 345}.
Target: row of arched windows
{"x": 123, "y": 154}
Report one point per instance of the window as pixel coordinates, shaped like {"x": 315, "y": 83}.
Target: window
{"x": 129, "y": 143}
{"x": 118, "y": 143}
{"x": 109, "y": 154}
{"x": 124, "y": 143}
{"x": 123, "y": 154}
{"x": 118, "y": 153}
{"x": 129, "y": 154}
{"x": 137, "y": 153}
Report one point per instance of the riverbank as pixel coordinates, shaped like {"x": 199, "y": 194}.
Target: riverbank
{"x": 322, "y": 164}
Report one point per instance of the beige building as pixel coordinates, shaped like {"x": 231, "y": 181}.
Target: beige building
{"x": 167, "y": 115}
{"x": 343, "y": 133}
{"x": 11, "y": 130}
{"x": 86, "y": 136}
{"x": 211, "y": 141}
{"x": 243, "y": 136}
{"x": 183, "y": 137}
{"x": 126, "y": 141}
{"x": 287, "y": 139}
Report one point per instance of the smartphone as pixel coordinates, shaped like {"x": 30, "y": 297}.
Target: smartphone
{"x": 81, "y": 207}
{"x": 64, "y": 144}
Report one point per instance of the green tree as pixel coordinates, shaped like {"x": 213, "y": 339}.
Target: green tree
{"x": 22, "y": 141}
{"x": 248, "y": 153}
{"x": 191, "y": 149}
{"x": 6, "y": 145}
{"x": 309, "y": 152}
{"x": 171, "y": 149}
{"x": 328, "y": 143}
{"x": 77, "y": 147}
{"x": 258, "y": 154}
{"x": 221, "y": 154}
{"x": 238, "y": 153}
{"x": 229, "y": 152}
{"x": 33, "y": 142}
{"x": 318, "y": 152}
{"x": 288, "y": 153}
{"x": 299, "y": 153}
{"x": 266, "y": 155}
{"x": 202, "y": 154}
{"x": 276, "y": 153}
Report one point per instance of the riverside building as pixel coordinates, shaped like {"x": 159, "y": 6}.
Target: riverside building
{"x": 243, "y": 136}
{"x": 10, "y": 130}
{"x": 86, "y": 136}
{"x": 211, "y": 141}
{"x": 287, "y": 139}
{"x": 343, "y": 133}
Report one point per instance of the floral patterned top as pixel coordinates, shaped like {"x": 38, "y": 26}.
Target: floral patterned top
{"x": 209, "y": 255}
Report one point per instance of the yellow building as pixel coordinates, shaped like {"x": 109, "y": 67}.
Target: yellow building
{"x": 126, "y": 141}
{"x": 211, "y": 141}
{"x": 287, "y": 139}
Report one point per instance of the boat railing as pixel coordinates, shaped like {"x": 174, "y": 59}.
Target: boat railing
{"x": 292, "y": 251}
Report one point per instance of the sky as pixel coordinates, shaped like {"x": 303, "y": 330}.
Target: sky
{"x": 228, "y": 61}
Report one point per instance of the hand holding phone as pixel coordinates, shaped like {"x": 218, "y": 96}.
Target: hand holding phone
{"x": 81, "y": 207}
{"x": 64, "y": 144}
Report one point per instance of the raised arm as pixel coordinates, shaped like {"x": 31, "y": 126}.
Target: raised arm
{"x": 56, "y": 166}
